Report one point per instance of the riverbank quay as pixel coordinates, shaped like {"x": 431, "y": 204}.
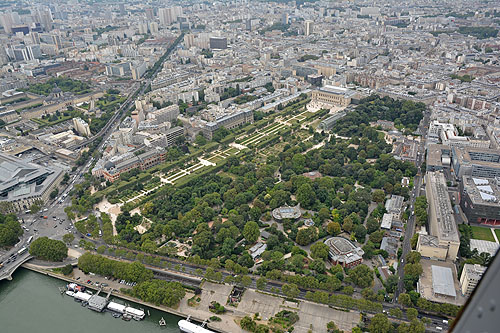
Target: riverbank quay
{"x": 198, "y": 316}
{"x": 312, "y": 316}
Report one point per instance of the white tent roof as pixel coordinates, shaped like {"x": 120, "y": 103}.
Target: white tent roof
{"x": 442, "y": 281}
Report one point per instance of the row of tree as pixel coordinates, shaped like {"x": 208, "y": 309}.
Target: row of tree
{"x": 421, "y": 210}
{"x": 133, "y": 272}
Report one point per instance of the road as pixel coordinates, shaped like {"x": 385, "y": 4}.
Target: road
{"x": 56, "y": 224}
{"x": 410, "y": 225}
{"x": 187, "y": 273}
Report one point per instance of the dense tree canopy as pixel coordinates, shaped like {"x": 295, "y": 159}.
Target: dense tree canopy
{"x": 64, "y": 83}
{"x": 361, "y": 276}
{"x": 373, "y": 108}
{"x": 159, "y": 292}
{"x": 10, "y": 230}
{"x": 49, "y": 249}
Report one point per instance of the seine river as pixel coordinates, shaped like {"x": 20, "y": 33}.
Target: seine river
{"x": 31, "y": 302}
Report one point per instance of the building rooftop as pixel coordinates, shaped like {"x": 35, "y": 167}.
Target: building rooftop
{"x": 390, "y": 245}
{"x": 343, "y": 250}
{"x": 484, "y": 246}
{"x": 484, "y": 191}
{"x": 479, "y": 156}
{"x": 287, "y": 213}
{"x": 442, "y": 281}
{"x": 338, "y": 91}
{"x": 428, "y": 240}
{"x": 97, "y": 303}
{"x": 340, "y": 245}
{"x": 446, "y": 225}
{"x": 19, "y": 178}
{"x": 394, "y": 204}
{"x": 474, "y": 271}
{"x": 386, "y": 221}
{"x": 437, "y": 156}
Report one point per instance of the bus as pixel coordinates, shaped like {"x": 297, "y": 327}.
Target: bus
{"x": 21, "y": 251}
{"x": 30, "y": 239}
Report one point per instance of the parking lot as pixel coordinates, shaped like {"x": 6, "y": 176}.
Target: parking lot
{"x": 82, "y": 279}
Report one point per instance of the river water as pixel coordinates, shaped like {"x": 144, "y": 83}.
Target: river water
{"x": 31, "y": 302}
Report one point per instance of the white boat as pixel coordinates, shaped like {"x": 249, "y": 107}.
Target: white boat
{"x": 135, "y": 313}
{"x": 189, "y": 327}
{"x": 70, "y": 293}
{"x": 116, "y": 307}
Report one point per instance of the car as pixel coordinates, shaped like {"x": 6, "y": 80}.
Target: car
{"x": 55, "y": 226}
{"x": 104, "y": 284}
{"x": 78, "y": 278}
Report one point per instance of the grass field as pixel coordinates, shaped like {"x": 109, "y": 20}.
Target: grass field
{"x": 497, "y": 232}
{"x": 482, "y": 233}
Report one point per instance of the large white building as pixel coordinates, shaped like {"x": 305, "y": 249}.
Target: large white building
{"x": 308, "y": 27}
{"x": 81, "y": 127}
{"x": 330, "y": 96}
{"x": 471, "y": 274}
{"x": 443, "y": 241}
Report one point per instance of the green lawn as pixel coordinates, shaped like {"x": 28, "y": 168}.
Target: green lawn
{"x": 215, "y": 159}
{"x": 482, "y": 233}
{"x": 46, "y": 122}
{"x": 497, "y": 232}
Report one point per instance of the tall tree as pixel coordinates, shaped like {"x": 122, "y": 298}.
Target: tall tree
{"x": 333, "y": 228}
{"x": 319, "y": 250}
{"x": 379, "y": 324}
{"x": 251, "y": 232}
{"x": 306, "y": 196}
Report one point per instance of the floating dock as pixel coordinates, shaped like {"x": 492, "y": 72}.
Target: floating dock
{"x": 137, "y": 314}
{"x": 99, "y": 303}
